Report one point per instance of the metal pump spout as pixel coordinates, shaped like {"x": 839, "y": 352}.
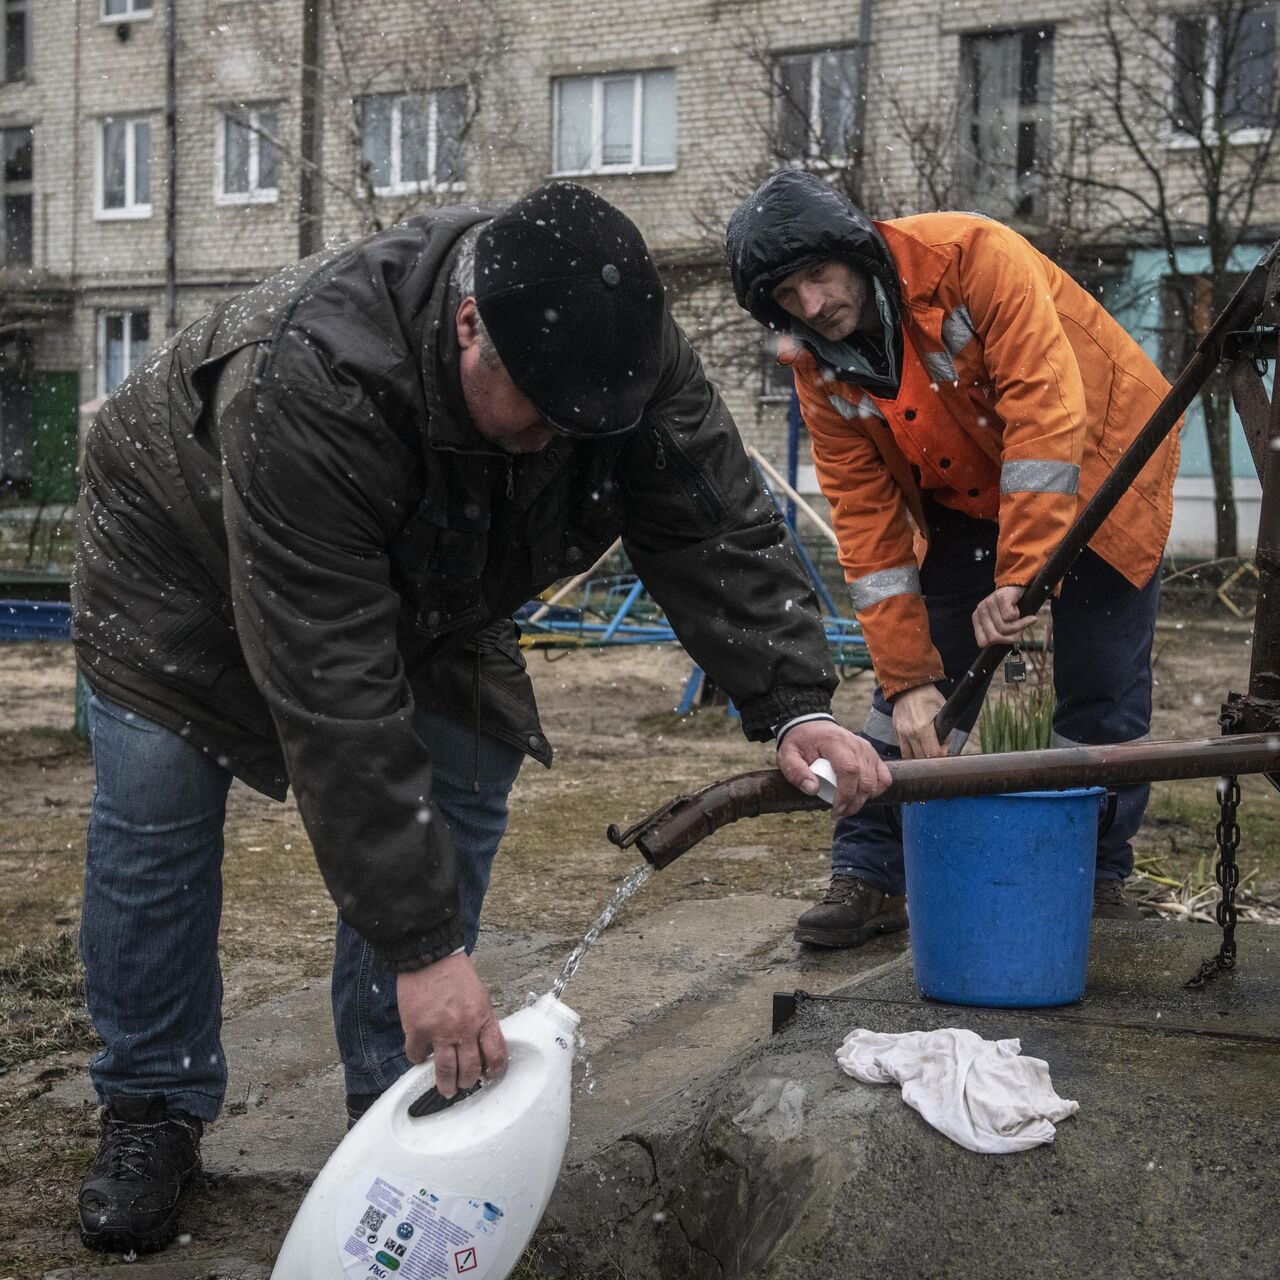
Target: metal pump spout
{"x": 689, "y": 819}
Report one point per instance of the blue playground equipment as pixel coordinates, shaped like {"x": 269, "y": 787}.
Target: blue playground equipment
{"x": 614, "y": 609}
{"x": 34, "y": 620}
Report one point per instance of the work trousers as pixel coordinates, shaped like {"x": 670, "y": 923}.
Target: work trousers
{"x": 1103, "y": 627}
{"x": 153, "y": 904}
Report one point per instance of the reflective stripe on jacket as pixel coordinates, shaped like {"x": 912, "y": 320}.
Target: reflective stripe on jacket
{"x": 1019, "y": 393}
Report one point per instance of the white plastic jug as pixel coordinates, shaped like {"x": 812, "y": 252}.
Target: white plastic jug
{"x": 454, "y": 1193}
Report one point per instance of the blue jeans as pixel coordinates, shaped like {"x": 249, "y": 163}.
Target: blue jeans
{"x": 153, "y": 902}
{"x": 1103, "y": 627}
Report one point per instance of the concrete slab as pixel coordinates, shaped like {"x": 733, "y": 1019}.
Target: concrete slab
{"x": 659, "y": 1007}
{"x": 777, "y": 1165}
{"x": 1137, "y": 976}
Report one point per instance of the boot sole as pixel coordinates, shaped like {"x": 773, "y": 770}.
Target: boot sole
{"x": 835, "y": 938}
{"x": 131, "y": 1241}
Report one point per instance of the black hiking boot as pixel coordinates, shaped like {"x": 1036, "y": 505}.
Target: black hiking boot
{"x": 1110, "y": 902}
{"x": 357, "y": 1105}
{"x": 147, "y": 1155}
{"x": 851, "y": 912}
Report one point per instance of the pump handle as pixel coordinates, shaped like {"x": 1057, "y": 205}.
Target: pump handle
{"x": 433, "y": 1101}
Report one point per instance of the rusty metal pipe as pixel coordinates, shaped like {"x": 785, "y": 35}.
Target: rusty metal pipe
{"x": 688, "y": 819}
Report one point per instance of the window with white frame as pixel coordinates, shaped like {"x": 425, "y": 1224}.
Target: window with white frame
{"x": 615, "y": 123}
{"x": 124, "y": 168}
{"x": 123, "y": 340}
{"x": 247, "y": 163}
{"x": 817, "y": 104}
{"x": 414, "y": 141}
{"x": 1005, "y": 121}
{"x": 15, "y": 40}
{"x": 17, "y": 152}
{"x": 1224, "y": 72}
{"x": 124, "y": 10}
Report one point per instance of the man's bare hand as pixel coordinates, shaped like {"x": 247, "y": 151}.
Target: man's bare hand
{"x": 914, "y": 711}
{"x": 860, "y": 773}
{"x": 998, "y": 620}
{"x": 445, "y": 1011}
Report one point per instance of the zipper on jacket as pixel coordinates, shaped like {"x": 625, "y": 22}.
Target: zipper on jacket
{"x": 695, "y": 482}
{"x": 475, "y": 695}
{"x": 511, "y": 477}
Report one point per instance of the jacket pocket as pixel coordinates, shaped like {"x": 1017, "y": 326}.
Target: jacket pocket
{"x": 439, "y": 567}
{"x": 194, "y": 645}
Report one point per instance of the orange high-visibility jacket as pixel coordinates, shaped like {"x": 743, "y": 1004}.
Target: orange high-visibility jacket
{"x": 1017, "y": 396}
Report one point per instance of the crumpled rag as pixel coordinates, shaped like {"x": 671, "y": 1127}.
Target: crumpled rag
{"x": 981, "y": 1093}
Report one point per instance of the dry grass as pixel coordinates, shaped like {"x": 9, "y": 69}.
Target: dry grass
{"x": 1176, "y": 852}
{"x": 42, "y": 1001}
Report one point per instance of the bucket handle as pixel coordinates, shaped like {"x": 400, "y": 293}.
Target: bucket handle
{"x": 433, "y": 1101}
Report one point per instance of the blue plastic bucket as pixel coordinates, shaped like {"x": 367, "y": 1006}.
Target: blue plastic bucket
{"x": 1000, "y": 892}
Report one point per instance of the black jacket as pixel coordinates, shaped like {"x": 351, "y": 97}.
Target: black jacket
{"x": 285, "y": 579}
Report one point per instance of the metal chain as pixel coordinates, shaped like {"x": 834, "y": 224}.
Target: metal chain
{"x": 1227, "y": 874}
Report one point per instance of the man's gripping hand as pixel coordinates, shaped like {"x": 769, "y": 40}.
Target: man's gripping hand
{"x": 914, "y": 711}
{"x": 445, "y": 1011}
{"x": 860, "y": 773}
{"x": 998, "y": 619}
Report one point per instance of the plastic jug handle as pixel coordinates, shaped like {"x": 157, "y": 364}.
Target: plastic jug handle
{"x": 433, "y": 1101}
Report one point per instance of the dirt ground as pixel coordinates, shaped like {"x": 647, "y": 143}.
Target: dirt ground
{"x": 620, "y": 753}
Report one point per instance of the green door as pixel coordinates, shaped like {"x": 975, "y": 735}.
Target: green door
{"x": 55, "y": 437}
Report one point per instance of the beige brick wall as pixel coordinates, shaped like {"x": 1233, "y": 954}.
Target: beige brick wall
{"x": 250, "y": 52}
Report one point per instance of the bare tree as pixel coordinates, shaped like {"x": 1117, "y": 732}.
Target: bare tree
{"x": 432, "y": 77}
{"x": 1163, "y": 126}
{"x": 1171, "y": 128}
{"x": 441, "y": 70}
{"x": 812, "y": 108}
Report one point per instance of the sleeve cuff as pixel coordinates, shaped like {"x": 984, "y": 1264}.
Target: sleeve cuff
{"x": 416, "y": 953}
{"x": 780, "y": 731}
{"x": 788, "y": 702}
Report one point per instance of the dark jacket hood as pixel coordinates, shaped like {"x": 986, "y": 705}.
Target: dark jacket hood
{"x": 791, "y": 220}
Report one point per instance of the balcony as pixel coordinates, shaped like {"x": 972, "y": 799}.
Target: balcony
{"x": 33, "y": 298}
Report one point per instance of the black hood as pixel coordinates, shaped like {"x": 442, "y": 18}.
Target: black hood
{"x": 791, "y": 220}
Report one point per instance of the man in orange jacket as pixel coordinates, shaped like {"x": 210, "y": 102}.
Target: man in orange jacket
{"x": 964, "y": 398}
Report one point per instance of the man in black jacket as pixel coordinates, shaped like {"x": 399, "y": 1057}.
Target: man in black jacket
{"x": 305, "y": 524}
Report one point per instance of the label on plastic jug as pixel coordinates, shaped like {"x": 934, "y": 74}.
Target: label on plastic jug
{"x": 393, "y": 1229}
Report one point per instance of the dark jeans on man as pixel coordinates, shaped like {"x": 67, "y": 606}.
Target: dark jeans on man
{"x": 153, "y": 903}
{"x": 1102, "y": 632}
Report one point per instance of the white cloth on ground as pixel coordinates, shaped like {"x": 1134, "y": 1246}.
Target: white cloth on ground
{"x": 981, "y": 1093}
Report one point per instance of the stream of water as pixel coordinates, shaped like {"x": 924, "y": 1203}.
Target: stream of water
{"x": 633, "y": 882}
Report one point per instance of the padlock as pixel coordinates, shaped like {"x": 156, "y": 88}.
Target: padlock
{"x": 1015, "y": 667}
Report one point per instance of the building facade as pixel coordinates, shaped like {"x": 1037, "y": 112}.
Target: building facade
{"x": 160, "y": 155}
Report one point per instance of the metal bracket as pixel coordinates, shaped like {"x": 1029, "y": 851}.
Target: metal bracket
{"x": 1250, "y": 344}
{"x": 1242, "y": 713}
{"x": 785, "y": 1004}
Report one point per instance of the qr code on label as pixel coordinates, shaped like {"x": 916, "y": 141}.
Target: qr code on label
{"x": 372, "y": 1220}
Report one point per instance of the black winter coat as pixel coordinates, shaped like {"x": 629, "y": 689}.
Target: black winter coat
{"x": 284, "y": 579}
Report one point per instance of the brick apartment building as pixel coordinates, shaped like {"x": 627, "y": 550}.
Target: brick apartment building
{"x": 159, "y": 155}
